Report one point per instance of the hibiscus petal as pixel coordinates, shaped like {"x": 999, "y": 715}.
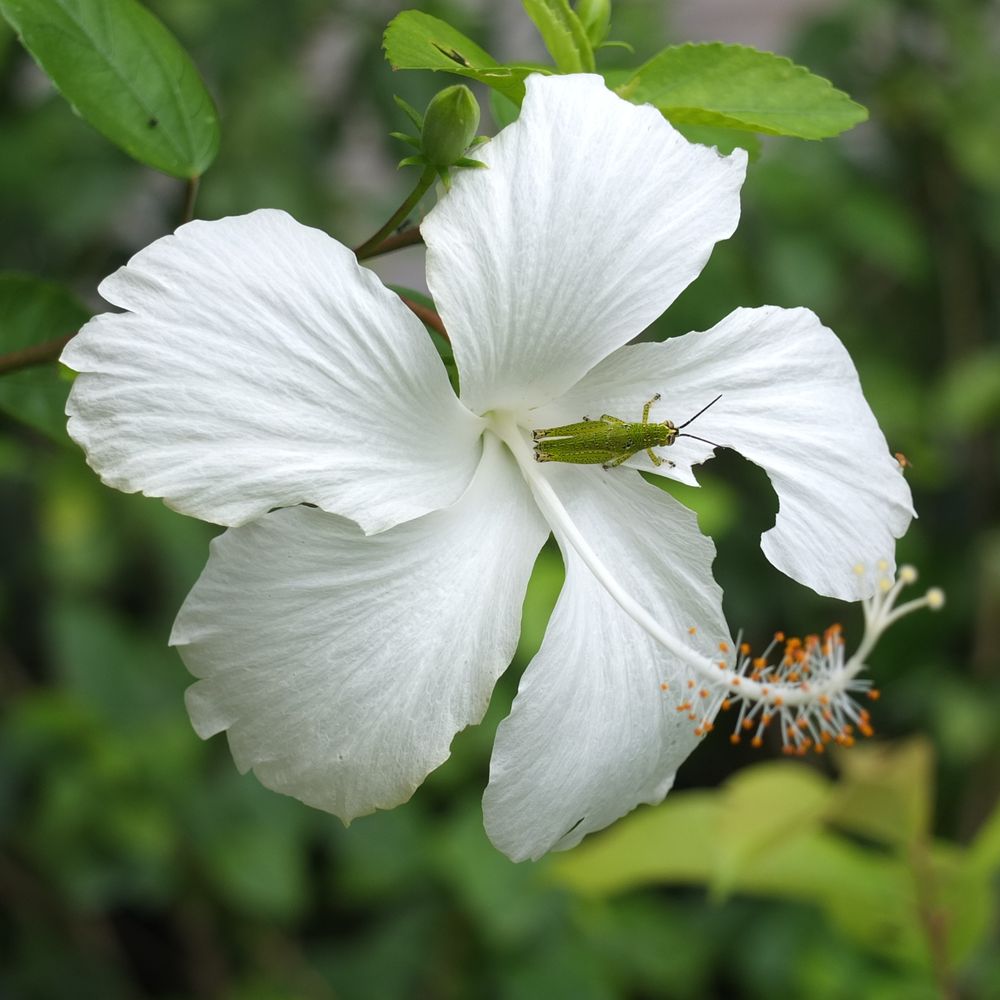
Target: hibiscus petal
{"x": 591, "y": 733}
{"x": 593, "y": 216}
{"x": 258, "y": 366}
{"x": 342, "y": 664}
{"x": 791, "y": 403}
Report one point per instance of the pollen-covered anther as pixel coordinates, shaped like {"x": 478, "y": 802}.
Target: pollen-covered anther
{"x": 807, "y": 687}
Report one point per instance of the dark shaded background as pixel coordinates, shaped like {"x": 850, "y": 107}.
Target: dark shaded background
{"x": 135, "y": 862}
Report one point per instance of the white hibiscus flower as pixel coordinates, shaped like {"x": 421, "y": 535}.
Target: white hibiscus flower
{"x": 342, "y": 645}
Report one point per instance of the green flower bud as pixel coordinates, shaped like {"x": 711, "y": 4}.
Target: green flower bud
{"x": 449, "y": 125}
{"x": 595, "y": 16}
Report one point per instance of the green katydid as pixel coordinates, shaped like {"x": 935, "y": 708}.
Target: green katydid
{"x": 611, "y": 440}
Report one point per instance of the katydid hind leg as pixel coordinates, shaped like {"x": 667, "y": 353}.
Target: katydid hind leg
{"x": 646, "y": 408}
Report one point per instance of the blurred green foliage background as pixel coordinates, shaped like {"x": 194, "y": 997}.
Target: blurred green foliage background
{"x": 136, "y": 862}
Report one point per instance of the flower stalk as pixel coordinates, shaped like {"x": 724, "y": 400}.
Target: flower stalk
{"x": 372, "y": 246}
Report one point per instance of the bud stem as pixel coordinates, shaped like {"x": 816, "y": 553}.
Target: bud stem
{"x": 372, "y": 246}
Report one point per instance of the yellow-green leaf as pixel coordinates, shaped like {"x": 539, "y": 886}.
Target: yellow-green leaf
{"x": 763, "y": 808}
{"x": 885, "y": 792}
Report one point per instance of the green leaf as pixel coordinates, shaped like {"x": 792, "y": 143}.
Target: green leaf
{"x": 885, "y": 792}
{"x": 563, "y": 33}
{"x": 504, "y": 110}
{"x": 33, "y": 312}
{"x": 984, "y": 855}
{"x": 442, "y": 346}
{"x": 126, "y": 74}
{"x": 725, "y": 140}
{"x": 868, "y": 895}
{"x": 732, "y": 86}
{"x": 675, "y": 842}
{"x": 962, "y": 897}
{"x": 763, "y": 808}
{"x": 415, "y": 40}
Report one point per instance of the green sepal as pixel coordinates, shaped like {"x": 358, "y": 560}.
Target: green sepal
{"x": 471, "y": 164}
{"x": 410, "y": 111}
{"x": 614, "y": 43}
{"x": 412, "y": 140}
{"x": 412, "y": 161}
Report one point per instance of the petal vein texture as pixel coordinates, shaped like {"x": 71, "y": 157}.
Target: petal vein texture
{"x": 791, "y": 403}
{"x": 591, "y": 733}
{"x": 593, "y": 216}
{"x": 260, "y": 366}
{"x": 343, "y": 664}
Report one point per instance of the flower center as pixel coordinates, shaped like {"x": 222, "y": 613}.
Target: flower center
{"x": 809, "y": 690}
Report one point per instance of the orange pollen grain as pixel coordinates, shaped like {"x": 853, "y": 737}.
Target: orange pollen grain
{"x": 723, "y": 647}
